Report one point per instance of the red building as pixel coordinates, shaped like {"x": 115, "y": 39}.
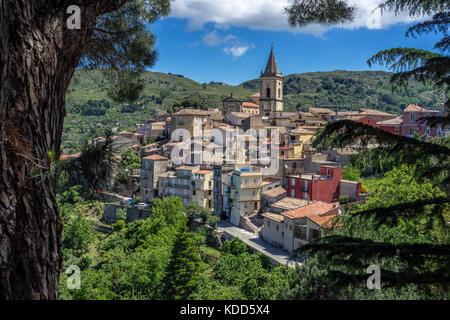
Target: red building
{"x": 327, "y": 186}
{"x": 412, "y": 123}
{"x": 321, "y": 187}
{"x": 367, "y": 120}
{"x": 391, "y": 125}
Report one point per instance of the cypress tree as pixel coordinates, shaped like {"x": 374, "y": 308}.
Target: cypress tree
{"x": 183, "y": 270}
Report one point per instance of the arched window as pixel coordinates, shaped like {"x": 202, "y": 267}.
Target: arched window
{"x": 279, "y": 92}
{"x": 268, "y": 92}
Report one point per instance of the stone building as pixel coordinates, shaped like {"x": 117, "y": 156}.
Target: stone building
{"x": 152, "y": 167}
{"x": 271, "y": 88}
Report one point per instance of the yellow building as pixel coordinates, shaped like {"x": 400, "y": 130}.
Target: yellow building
{"x": 321, "y": 114}
{"x": 193, "y": 120}
{"x": 202, "y": 188}
{"x": 297, "y": 139}
{"x": 250, "y": 107}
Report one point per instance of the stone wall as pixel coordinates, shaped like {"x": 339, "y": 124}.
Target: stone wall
{"x": 133, "y": 214}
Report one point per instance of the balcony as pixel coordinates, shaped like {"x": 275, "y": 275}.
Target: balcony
{"x": 251, "y": 186}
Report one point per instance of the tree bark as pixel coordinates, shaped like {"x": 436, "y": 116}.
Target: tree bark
{"x": 38, "y": 57}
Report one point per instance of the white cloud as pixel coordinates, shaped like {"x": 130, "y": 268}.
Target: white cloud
{"x": 212, "y": 39}
{"x": 269, "y": 15}
{"x": 236, "y": 51}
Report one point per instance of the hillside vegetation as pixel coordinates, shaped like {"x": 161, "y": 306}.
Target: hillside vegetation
{"x": 340, "y": 90}
{"x": 90, "y": 110}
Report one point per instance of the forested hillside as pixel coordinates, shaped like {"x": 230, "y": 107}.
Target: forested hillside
{"x": 339, "y": 90}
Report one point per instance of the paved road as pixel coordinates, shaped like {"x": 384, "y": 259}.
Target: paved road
{"x": 254, "y": 241}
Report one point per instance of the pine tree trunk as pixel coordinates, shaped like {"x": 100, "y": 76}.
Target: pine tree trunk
{"x": 38, "y": 58}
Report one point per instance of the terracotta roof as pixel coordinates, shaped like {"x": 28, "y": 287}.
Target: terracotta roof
{"x": 256, "y": 95}
{"x": 301, "y": 130}
{"x": 250, "y": 105}
{"x": 155, "y": 157}
{"x": 273, "y": 193}
{"x": 313, "y": 209}
{"x": 193, "y": 112}
{"x": 373, "y": 112}
{"x": 415, "y": 108}
{"x": 202, "y": 171}
{"x": 395, "y": 121}
{"x": 188, "y": 168}
{"x": 355, "y": 118}
{"x": 321, "y": 220}
{"x": 241, "y": 114}
{"x": 321, "y": 110}
{"x": 288, "y": 204}
{"x": 273, "y": 216}
{"x": 216, "y": 115}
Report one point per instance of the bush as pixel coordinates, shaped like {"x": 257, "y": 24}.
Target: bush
{"x": 119, "y": 225}
{"x": 344, "y": 199}
{"x": 364, "y": 188}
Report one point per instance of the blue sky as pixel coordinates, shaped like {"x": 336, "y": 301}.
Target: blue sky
{"x": 233, "y": 47}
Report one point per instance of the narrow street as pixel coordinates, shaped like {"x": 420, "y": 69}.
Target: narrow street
{"x": 255, "y": 242}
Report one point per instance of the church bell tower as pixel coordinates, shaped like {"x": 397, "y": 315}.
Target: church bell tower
{"x": 271, "y": 82}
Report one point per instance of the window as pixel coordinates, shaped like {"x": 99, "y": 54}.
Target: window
{"x": 293, "y": 182}
{"x": 277, "y": 228}
{"x": 294, "y": 165}
{"x": 268, "y": 92}
{"x": 428, "y": 131}
{"x": 268, "y": 223}
{"x": 314, "y": 233}
{"x": 328, "y": 172}
{"x": 180, "y": 121}
{"x": 292, "y": 193}
{"x": 305, "y": 186}
{"x": 412, "y": 117}
{"x": 279, "y": 92}
{"x": 396, "y": 128}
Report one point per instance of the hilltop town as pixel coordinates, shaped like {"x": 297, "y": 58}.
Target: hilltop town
{"x": 224, "y": 168}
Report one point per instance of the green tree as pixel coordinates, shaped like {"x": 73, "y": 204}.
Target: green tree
{"x": 184, "y": 270}
{"x": 352, "y": 174}
{"x": 130, "y": 160}
{"x": 78, "y": 234}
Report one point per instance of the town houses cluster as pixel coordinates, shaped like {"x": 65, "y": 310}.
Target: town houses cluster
{"x": 288, "y": 207}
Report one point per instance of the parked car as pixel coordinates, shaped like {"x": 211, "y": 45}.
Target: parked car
{"x": 143, "y": 205}
{"x": 125, "y": 201}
